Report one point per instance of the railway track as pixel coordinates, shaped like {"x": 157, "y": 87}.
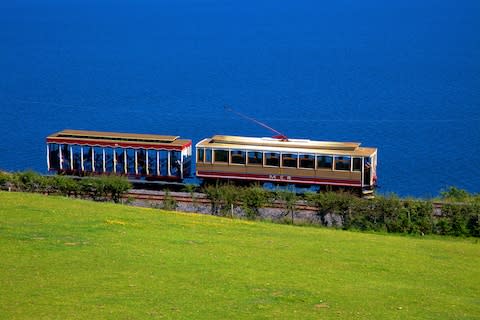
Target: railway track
{"x": 198, "y": 198}
{"x": 202, "y": 199}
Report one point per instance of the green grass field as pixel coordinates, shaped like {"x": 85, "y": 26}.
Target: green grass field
{"x": 73, "y": 259}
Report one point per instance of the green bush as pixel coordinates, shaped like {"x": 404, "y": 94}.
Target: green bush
{"x": 459, "y": 220}
{"x": 66, "y": 185}
{"x": 104, "y": 187}
{"x": 333, "y": 203}
{"x": 115, "y": 186}
{"x": 454, "y": 194}
{"x": 213, "y": 194}
{"x": 191, "y": 188}
{"x": 29, "y": 181}
{"x": 384, "y": 213}
{"x": 364, "y": 215}
{"x": 5, "y": 179}
{"x": 254, "y": 198}
{"x": 473, "y": 224}
{"x": 92, "y": 188}
{"x": 289, "y": 200}
{"x": 229, "y": 195}
{"x": 169, "y": 202}
{"x": 420, "y": 216}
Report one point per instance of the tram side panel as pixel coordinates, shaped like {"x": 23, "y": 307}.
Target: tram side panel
{"x": 278, "y": 168}
{"x": 134, "y": 163}
{"x": 278, "y": 174}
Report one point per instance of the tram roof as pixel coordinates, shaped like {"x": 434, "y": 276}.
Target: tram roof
{"x": 118, "y": 139}
{"x": 292, "y": 145}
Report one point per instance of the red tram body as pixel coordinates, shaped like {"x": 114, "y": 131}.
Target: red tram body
{"x": 152, "y": 157}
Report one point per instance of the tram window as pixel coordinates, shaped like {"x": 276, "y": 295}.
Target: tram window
{"x": 130, "y": 161}
{"x": 272, "y": 159}
{"x": 87, "y": 158}
{"x": 152, "y": 162}
{"x": 77, "y": 158}
{"x": 66, "y": 165}
{"x": 342, "y": 163}
{"x": 162, "y": 162}
{"x": 200, "y": 154}
{"x": 237, "y": 156}
{"x": 175, "y": 163}
{"x": 220, "y": 155}
{"x": 108, "y": 159}
{"x": 289, "y": 160}
{"x": 307, "y": 161}
{"x": 53, "y": 156}
{"x": 98, "y": 159}
{"x": 141, "y": 161}
{"x": 120, "y": 159}
{"x": 208, "y": 155}
{"x": 324, "y": 162}
{"x": 357, "y": 164}
{"x": 255, "y": 158}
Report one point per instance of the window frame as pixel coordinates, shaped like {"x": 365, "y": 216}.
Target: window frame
{"x": 300, "y": 161}
{"x": 54, "y": 157}
{"x": 120, "y": 169}
{"x": 98, "y": 155}
{"x": 265, "y": 159}
{"x": 152, "y": 162}
{"x": 202, "y": 151}
{"x": 214, "y": 158}
{"x": 259, "y": 164}
{"x": 335, "y": 163}
{"x": 76, "y": 150}
{"x": 244, "y": 157}
{"x": 360, "y": 164}
{"x": 317, "y": 167}
{"x": 294, "y": 155}
{"x": 208, "y": 155}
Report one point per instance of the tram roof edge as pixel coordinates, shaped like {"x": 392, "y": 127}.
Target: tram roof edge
{"x": 91, "y": 137}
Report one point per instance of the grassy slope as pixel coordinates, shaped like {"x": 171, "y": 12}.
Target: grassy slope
{"x": 72, "y": 259}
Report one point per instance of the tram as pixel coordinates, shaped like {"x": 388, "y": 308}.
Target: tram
{"x": 138, "y": 156}
{"x": 287, "y": 161}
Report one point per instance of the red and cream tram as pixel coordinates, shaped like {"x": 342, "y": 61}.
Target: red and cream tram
{"x": 292, "y": 161}
{"x": 151, "y": 157}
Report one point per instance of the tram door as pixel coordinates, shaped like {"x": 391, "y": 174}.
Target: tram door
{"x": 367, "y": 171}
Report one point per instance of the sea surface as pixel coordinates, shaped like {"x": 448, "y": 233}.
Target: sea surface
{"x": 402, "y": 76}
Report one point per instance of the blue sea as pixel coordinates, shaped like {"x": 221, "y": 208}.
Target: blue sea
{"x": 402, "y": 76}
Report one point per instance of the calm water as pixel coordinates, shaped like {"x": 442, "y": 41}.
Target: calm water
{"x": 403, "y": 76}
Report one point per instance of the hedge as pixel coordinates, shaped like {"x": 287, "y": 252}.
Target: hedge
{"x": 97, "y": 188}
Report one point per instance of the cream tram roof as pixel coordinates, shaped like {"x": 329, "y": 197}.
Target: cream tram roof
{"x": 114, "y": 138}
{"x": 290, "y": 145}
